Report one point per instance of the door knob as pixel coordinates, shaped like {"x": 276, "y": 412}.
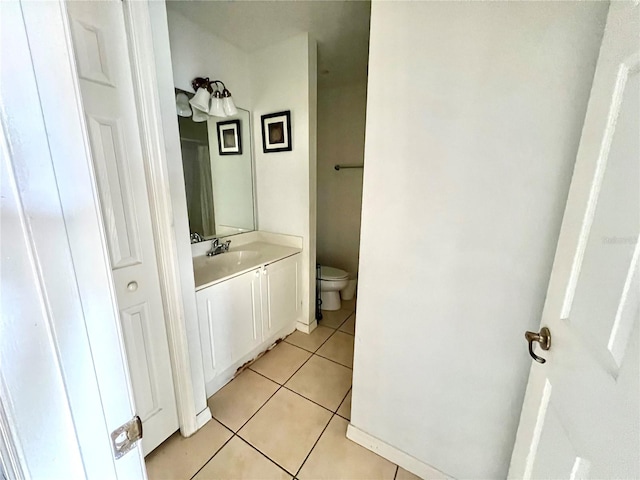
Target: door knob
{"x": 132, "y": 286}
{"x": 543, "y": 338}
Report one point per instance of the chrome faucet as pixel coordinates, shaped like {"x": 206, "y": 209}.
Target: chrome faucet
{"x": 217, "y": 248}
{"x": 196, "y": 237}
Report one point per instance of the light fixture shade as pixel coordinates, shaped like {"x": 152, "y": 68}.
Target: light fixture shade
{"x": 182, "y": 105}
{"x": 229, "y": 106}
{"x": 200, "y": 100}
{"x": 199, "y": 116}
{"x": 217, "y": 109}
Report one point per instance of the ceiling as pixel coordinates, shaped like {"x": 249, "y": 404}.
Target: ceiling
{"x": 341, "y": 29}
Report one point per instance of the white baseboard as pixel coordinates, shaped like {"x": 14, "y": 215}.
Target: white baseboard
{"x": 306, "y": 328}
{"x": 394, "y": 455}
{"x": 203, "y": 418}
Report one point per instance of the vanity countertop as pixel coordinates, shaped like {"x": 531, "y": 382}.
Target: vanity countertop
{"x": 241, "y": 259}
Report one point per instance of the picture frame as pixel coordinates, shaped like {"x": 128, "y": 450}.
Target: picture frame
{"x": 229, "y": 137}
{"x": 276, "y": 132}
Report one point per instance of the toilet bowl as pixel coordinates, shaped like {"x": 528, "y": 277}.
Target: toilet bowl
{"x": 332, "y": 280}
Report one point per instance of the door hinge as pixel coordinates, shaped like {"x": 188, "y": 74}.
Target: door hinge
{"x": 124, "y": 438}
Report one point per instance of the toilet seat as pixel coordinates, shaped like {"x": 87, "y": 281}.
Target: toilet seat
{"x": 331, "y": 273}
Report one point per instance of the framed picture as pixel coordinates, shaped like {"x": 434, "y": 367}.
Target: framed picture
{"x": 229, "y": 138}
{"x": 276, "y": 132}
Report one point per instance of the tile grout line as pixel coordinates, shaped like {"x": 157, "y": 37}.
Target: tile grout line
{"x": 334, "y": 413}
{"x": 353, "y": 314}
{"x": 262, "y": 406}
{"x": 319, "y": 346}
{"x": 344, "y": 418}
{"x": 312, "y": 354}
{"x": 314, "y": 445}
{"x": 283, "y": 385}
{"x": 343, "y": 321}
{"x": 246, "y": 442}
{"x": 344, "y": 398}
{"x": 336, "y": 329}
{"x": 235, "y": 434}
{"x": 338, "y": 363}
{"x": 280, "y": 386}
{"x": 217, "y": 451}
{"x": 315, "y": 352}
{"x": 265, "y": 456}
{"x": 296, "y": 371}
{"x": 301, "y": 395}
{"x": 265, "y": 402}
{"x": 312, "y": 401}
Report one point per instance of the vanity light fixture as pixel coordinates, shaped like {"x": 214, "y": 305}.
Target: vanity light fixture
{"x": 182, "y": 105}
{"x": 199, "y": 116}
{"x": 217, "y": 110}
{"x": 212, "y": 101}
{"x": 200, "y": 100}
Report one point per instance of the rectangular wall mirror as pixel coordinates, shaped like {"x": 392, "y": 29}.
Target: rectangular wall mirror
{"x": 217, "y": 159}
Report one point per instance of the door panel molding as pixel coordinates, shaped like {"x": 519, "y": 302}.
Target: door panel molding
{"x": 601, "y": 165}
{"x": 114, "y": 187}
{"x": 627, "y": 308}
{"x": 88, "y": 37}
{"x": 135, "y": 324}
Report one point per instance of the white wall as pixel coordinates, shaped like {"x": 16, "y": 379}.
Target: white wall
{"x": 284, "y": 78}
{"x": 341, "y": 123}
{"x": 196, "y": 52}
{"x": 469, "y": 159}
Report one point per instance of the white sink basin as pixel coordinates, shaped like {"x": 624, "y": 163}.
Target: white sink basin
{"x": 209, "y": 270}
{"x": 233, "y": 259}
{"x": 225, "y": 264}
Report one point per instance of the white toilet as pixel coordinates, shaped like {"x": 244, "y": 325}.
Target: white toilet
{"x": 332, "y": 280}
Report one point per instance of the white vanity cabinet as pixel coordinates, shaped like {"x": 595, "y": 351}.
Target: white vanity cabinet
{"x": 281, "y": 301}
{"x": 230, "y": 319}
{"x": 242, "y": 316}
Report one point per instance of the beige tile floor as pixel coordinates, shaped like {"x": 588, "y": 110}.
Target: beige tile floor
{"x": 284, "y": 417}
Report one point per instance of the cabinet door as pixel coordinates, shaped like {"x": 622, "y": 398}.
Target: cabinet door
{"x": 281, "y": 295}
{"x": 230, "y": 317}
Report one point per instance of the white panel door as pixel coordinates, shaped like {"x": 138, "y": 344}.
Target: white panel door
{"x": 580, "y": 413}
{"x": 281, "y": 295}
{"x": 230, "y": 317}
{"x": 100, "y": 46}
